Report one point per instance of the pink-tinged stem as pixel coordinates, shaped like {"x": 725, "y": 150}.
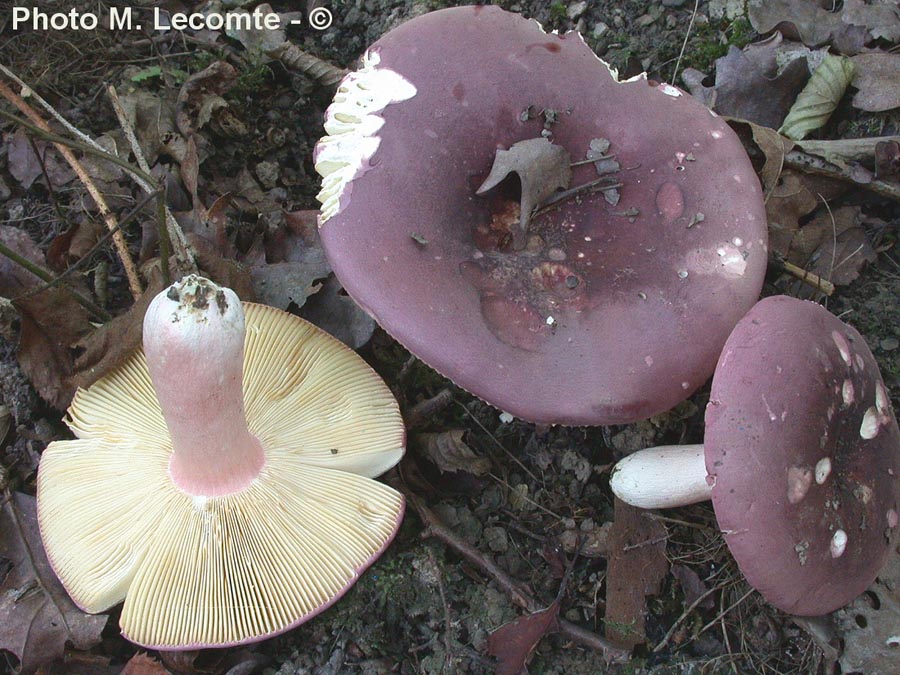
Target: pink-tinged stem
{"x": 194, "y": 343}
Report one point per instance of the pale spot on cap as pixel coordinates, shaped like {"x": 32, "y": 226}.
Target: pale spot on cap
{"x": 838, "y": 543}
{"x": 843, "y": 346}
{"x": 799, "y": 479}
{"x": 869, "y": 427}
{"x": 847, "y": 392}
{"x": 823, "y": 470}
{"x": 892, "y": 518}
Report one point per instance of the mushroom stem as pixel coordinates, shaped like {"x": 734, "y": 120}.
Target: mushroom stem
{"x": 662, "y": 477}
{"x": 194, "y": 343}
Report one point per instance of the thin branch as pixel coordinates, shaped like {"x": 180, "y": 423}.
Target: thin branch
{"x": 44, "y": 275}
{"x": 517, "y": 592}
{"x": 797, "y": 159}
{"x": 121, "y": 246}
{"x": 173, "y": 233}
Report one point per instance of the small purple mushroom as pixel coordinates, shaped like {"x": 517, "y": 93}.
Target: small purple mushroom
{"x": 801, "y": 458}
{"x": 592, "y": 304}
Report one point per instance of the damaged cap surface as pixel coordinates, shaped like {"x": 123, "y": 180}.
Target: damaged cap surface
{"x": 804, "y": 449}
{"x": 610, "y": 313}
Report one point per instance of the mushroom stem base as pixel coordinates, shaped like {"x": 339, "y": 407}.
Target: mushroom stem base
{"x": 662, "y": 477}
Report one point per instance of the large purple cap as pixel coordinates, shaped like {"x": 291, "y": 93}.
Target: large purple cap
{"x": 805, "y": 453}
{"x": 612, "y": 312}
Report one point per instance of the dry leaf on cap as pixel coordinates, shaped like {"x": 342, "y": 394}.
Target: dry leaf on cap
{"x": 37, "y": 617}
{"x": 542, "y": 167}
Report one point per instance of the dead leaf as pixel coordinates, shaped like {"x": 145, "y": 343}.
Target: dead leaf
{"x": 449, "y": 452}
{"x": 37, "y": 618}
{"x": 542, "y": 167}
{"x": 869, "y": 625}
{"x": 819, "y": 97}
{"x": 111, "y": 344}
{"x": 848, "y": 29}
{"x": 788, "y": 202}
{"x": 513, "y": 643}
{"x": 24, "y": 164}
{"x": 887, "y": 159}
{"x": 51, "y": 321}
{"x": 878, "y": 80}
{"x": 637, "y": 565}
{"x": 259, "y": 42}
{"x": 692, "y": 586}
{"x": 142, "y": 664}
{"x": 332, "y": 310}
{"x": 752, "y": 84}
{"x": 152, "y": 116}
{"x": 833, "y": 245}
{"x": 200, "y": 94}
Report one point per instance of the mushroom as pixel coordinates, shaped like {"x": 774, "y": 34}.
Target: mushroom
{"x": 221, "y": 479}
{"x": 601, "y": 305}
{"x": 801, "y": 457}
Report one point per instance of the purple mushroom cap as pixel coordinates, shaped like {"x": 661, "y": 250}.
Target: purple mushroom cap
{"x": 804, "y": 449}
{"x": 612, "y": 312}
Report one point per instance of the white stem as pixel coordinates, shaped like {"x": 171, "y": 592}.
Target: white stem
{"x": 194, "y": 343}
{"x": 663, "y": 477}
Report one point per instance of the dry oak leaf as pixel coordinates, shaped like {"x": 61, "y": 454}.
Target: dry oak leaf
{"x": 750, "y": 84}
{"x": 542, "y": 168}
{"x": 37, "y": 618}
{"x": 51, "y": 321}
{"x": 513, "y": 643}
{"x": 878, "y": 80}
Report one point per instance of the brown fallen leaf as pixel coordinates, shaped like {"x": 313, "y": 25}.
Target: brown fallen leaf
{"x": 200, "y": 94}
{"x": 878, "y": 81}
{"x": 833, "y": 245}
{"x": 51, "y": 321}
{"x": 142, "y": 664}
{"x": 542, "y": 167}
{"x": 513, "y": 643}
{"x": 332, "y": 310}
{"x": 37, "y": 617}
{"x": 448, "y": 451}
{"x": 750, "y": 84}
{"x": 848, "y": 29}
{"x": 636, "y": 568}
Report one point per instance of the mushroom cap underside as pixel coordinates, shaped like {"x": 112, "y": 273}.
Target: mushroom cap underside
{"x": 804, "y": 449}
{"x": 216, "y": 571}
{"x": 613, "y": 312}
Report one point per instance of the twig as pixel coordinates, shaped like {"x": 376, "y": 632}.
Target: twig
{"x": 519, "y": 594}
{"x": 725, "y": 611}
{"x": 797, "y": 159}
{"x": 121, "y": 246}
{"x": 687, "y": 36}
{"x": 43, "y": 275}
{"x": 81, "y": 262}
{"x": 808, "y": 278}
{"x": 420, "y": 412}
{"x": 172, "y": 233}
{"x": 313, "y": 67}
{"x": 687, "y": 611}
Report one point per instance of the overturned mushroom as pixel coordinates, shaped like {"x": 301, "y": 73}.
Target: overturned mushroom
{"x": 221, "y": 480}
{"x": 801, "y": 458}
{"x": 604, "y": 302}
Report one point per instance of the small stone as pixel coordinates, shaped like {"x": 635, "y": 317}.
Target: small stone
{"x": 599, "y": 30}
{"x": 889, "y": 344}
{"x": 673, "y": 3}
{"x": 496, "y": 539}
{"x": 576, "y": 9}
{"x": 267, "y": 173}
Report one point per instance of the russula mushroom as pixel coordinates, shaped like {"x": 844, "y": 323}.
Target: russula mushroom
{"x": 221, "y": 479}
{"x": 602, "y": 305}
{"x": 801, "y": 457}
